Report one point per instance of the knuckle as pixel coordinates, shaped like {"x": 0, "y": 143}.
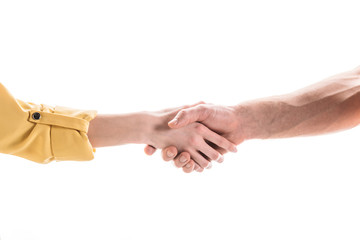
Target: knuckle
{"x": 194, "y": 141}
{"x": 200, "y": 128}
{"x": 183, "y": 113}
{"x": 201, "y": 108}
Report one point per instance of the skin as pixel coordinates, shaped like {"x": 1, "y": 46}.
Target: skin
{"x": 328, "y": 106}
{"x": 196, "y": 141}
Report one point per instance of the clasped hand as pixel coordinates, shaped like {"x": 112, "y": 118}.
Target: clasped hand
{"x": 199, "y": 134}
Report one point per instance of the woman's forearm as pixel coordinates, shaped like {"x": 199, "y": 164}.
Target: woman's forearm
{"x": 119, "y": 129}
{"x": 328, "y": 106}
{"x": 151, "y": 128}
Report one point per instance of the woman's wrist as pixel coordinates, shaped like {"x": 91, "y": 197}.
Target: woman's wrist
{"x": 119, "y": 129}
{"x": 137, "y": 127}
{"x": 145, "y": 124}
{"x": 152, "y": 124}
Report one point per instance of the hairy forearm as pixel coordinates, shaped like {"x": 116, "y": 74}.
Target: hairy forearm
{"x": 328, "y": 106}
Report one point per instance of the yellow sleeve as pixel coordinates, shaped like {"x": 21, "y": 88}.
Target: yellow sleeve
{"x": 43, "y": 133}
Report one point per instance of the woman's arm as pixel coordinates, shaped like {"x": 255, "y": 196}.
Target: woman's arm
{"x": 151, "y": 128}
{"x": 43, "y": 133}
{"x": 119, "y": 129}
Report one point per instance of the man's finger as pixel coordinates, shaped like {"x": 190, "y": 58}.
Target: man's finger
{"x": 193, "y": 105}
{"x": 189, "y": 167}
{"x": 198, "y": 168}
{"x": 149, "y": 150}
{"x": 189, "y": 115}
{"x": 182, "y": 159}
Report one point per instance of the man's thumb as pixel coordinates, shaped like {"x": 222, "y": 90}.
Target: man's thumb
{"x": 182, "y": 118}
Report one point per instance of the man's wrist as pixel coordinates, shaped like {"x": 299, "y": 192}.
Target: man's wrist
{"x": 265, "y": 118}
{"x": 249, "y": 126}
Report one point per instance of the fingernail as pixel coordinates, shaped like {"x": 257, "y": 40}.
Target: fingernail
{"x": 234, "y": 150}
{"x": 170, "y": 154}
{"x": 188, "y": 165}
{"x": 183, "y": 159}
{"x": 174, "y": 121}
{"x": 209, "y": 165}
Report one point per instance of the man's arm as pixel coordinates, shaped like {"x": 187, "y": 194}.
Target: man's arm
{"x": 328, "y": 106}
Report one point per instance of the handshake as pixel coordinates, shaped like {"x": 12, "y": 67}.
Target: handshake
{"x": 200, "y": 133}
{"x": 193, "y": 136}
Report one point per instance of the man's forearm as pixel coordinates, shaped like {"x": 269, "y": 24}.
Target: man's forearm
{"x": 328, "y": 106}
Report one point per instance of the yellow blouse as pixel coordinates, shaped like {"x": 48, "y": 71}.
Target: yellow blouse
{"x": 43, "y": 133}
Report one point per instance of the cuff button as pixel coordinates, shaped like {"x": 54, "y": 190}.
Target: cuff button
{"x": 36, "y": 116}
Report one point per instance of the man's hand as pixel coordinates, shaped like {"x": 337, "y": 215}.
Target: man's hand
{"x": 221, "y": 119}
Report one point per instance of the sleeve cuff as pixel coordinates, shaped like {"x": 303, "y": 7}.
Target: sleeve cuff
{"x": 68, "y": 131}
{"x": 42, "y": 133}
{"x": 69, "y": 138}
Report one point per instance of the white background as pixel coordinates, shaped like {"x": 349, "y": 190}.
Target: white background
{"x": 127, "y": 56}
